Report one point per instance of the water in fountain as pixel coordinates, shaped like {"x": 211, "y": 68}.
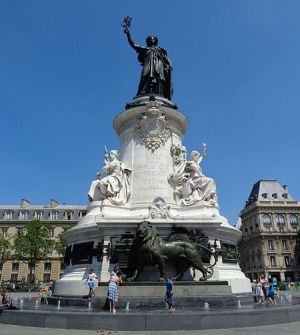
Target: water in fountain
{"x": 21, "y": 303}
{"x": 239, "y": 304}
{"x": 58, "y": 305}
{"x": 206, "y": 306}
{"x": 90, "y": 305}
{"x": 282, "y": 301}
{"x": 37, "y": 303}
{"x": 127, "y": 306}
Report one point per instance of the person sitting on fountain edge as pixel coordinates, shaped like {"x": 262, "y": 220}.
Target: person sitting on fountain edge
{"x": 169, "y": 293}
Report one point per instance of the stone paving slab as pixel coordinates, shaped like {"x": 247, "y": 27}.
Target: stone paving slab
{"x": 284, "y": 328}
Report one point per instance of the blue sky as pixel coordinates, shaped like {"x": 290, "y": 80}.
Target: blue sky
{"x": 66, "y": 70}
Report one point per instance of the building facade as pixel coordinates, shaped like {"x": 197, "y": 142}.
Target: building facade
{"x": 14, "y": 218}
{"x": 269, "y": 224}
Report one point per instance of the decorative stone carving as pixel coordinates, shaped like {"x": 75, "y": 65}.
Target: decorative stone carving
{"x": 229, "y": 253}
{"x": 115, "y": 186}
{"x": 159, "y": 209}
{"x": 152, "y": 128}
{"x": 191, "y": 185}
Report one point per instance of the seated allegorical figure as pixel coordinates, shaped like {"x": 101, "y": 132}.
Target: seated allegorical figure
{"x": 115, "y": 186}
{"x": 191, "y": 185}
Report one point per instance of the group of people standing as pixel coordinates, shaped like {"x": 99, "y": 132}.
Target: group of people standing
{"x": 264, "y": 290}
{"x": 113, "y": 294}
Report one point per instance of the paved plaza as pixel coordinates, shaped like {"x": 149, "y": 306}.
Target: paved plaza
{"x": 285, "y": 328}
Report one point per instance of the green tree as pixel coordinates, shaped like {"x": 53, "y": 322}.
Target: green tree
{"x": 5, "y": 250}
{"x": 33, "y": 245}
{"x": 60, "y": 243}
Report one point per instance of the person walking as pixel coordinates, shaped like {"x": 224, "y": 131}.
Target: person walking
{"x": 169, "y": 293}
{"x": 90, "y": 282}
{"x": 271, "y": 293}
{"x": 113, "y": 294}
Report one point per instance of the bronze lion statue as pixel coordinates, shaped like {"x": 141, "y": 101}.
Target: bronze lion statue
{"x": 149, "y": 248}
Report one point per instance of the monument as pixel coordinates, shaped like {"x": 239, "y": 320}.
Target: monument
{"x": 150, "y": 190}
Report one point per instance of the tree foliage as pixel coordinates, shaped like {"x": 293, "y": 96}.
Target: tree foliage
{"x": 33, "y": 244}
{"x": 5, "y": 249}
{"x": 60, "y": 243}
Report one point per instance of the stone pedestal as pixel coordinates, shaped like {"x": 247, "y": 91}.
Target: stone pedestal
{"x": 148, "y": 130}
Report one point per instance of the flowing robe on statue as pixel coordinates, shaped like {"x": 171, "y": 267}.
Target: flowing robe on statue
{"x": 202, "y": 188}
{"x": 191, "y": 185}
{"x": 156, "y": 72}
{"x": 115, "y": 186}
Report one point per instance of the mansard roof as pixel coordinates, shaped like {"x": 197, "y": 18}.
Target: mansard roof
{"x": 269, "y": 190}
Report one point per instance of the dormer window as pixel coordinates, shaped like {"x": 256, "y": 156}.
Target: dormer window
{"x": 82, "y": 214}
{"x": 285, "y": 195}
{"x": 8, "y": 215}
{"x": 53, "y": 215}
{"x": 264, "y": 195}
{"x": 69, "y": 215}
{"x": 274, "y": 195}
{"x": 23, "y": 215}
{"x": 38, "y": 215}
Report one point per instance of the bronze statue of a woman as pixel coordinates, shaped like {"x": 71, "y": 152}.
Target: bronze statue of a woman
{"x": 157, "y": 68}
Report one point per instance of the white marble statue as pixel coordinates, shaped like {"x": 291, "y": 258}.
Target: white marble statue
{"x": 115, "y": 186}
{"x": 191, "y": 185}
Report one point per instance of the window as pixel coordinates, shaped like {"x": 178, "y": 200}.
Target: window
{"x": 270, "y": 245}
{"x": 284, "y": 245}
{"x": 280, "y": 220}
{"x": 4, "y": 231}
{"x": 82, "y": 214}
{"x": 8, "y": 215}
{"x": 69, "y": 215}
{"x": 287, "y": 260}
{"x": 47, "y": 267}
{"x": 62, "y": 268}
{"x": 31, "y": 267}
{"x": 285, "y": 195}
{"x": 294, "y": 221}
{"x": 264, "y": 195}
{"x": 273, "y": 261}
{"x": 46, "y": 277}
{"x": 23, "y": 215}
{"x": 15, "y": 267}
{"x": 38, "y": 215}
{"x": 267, "y": 220}
{"x": 47, "y": 273}
{"x": 274, "y": 195}
{"x": 53, "y": 215}
{"x": 14, "y": 277}
{"x": 51, "y": 232}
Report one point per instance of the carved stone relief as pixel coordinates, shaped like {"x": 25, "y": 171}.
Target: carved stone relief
{"x": 159, "y": 209}
{"x": 152, "y": 128}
